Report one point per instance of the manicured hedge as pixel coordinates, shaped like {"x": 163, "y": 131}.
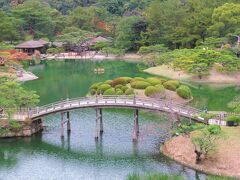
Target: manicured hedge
{"x": 129, "y": 91}
{"x": 93, "y": 91}
{"x": 184, "y": 92}
{"x": 161, "y": 88}
{"x": 154, "y": 81}
{"x": 121, "y": 80}
{"x": 171, "y": 85}
{"x": 151, "y": 91}
{"x": 175, "y": 82}
{"x": 140, "y": 85}
{"x": 118, "y": 86}
{"x": 110, "y": 91}
{"x": 138, "y": 79}
{"x": 95, "y": 85}
{"x": 119, "y": 92}
{"x": 109, "y": 82}
{"x": 124, "y": 88}
{"x": 102, "y": 88}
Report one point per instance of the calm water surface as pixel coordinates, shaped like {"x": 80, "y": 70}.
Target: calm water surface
{"x": 78, "y": 155}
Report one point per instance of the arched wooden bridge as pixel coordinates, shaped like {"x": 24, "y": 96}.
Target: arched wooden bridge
{"x": 133, "y": 102}
{"x": 99, "y": 102}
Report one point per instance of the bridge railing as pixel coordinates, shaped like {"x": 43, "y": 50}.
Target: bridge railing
{"x": 123, "y": 100}
{"x": 106, "y": 99}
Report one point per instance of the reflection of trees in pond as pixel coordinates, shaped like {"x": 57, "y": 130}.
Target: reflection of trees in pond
{"x": 8, "y": 155}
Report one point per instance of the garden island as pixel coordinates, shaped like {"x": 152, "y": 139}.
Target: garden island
{"x": 117, "y": 89}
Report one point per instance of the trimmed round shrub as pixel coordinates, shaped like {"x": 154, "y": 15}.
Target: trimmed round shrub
{"x": 129, "y": 91}
{"x": 121, "y": 80}
{"x": 119, "y": 92}
{"x": 110, "y": 91}
{"x": 95, "y": 86}
{"x": 175, "y": 82}
{"x": 140, "y": 85}
{"x": 124, "y": 88}
{"x": 138, "y": 79}
{"x": 161, "y": 88}
{"x": 102, "y": 88}
{"x": 184, "y": 92}
{"x": 93, "y": 91}
{"x": 152, "y": 90}
{"x": 119, "y": 86}
{"x": 154, "y": 81}
{"x": 127, "y": 79}
{"x": 109, "y": 82}
{"x": 171, "y": 85}
{"x": 163, "y": 80}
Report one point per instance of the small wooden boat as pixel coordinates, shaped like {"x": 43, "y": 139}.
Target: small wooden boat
{"x": 99, "y": 70}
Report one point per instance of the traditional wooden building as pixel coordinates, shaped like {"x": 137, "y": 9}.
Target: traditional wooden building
{"x": 91, "y": 42}
{"x": 30, "y": 47}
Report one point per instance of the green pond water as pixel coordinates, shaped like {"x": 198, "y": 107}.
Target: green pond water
{"x": 79, "y": 156}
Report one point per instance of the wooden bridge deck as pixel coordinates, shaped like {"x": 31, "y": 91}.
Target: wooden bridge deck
{"x": 133, "y": 102}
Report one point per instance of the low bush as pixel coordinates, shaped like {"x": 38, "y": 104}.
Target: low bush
{"x": 154, "y": 81}
{"x": 154, "y": 177}
{"x": 140, "y": 85}
{"x": 110, "y": 91}
{"x": 161, "y": 88}
{"x": 129, "y": 91}
{"x": 119, "y": 92}
{"x": 109, "y": 82}
{"x": 184, "y": 92}
{"x": 121, "y": 80}
{"x": 138, "y": 79}
{"x": 152, "y": 91}
{"x": 119, "y": 86}
{"x": 175, "y": 82}
{"x": 102, "y": 88}
{"x": 55, "y": 50}
{"x": 93, "y": 91}
{"x": 124, "y": 88}
{"x": 15, "y": 125}
{"x": 95, "y": 85}
{"x": 171, "y": 85}
{"x": 233, "y": 118}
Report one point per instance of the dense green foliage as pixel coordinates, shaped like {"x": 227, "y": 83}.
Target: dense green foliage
{"x": 233, "y": 118}
{"x": 186, "y": 128}
{"x": 171, "y": 85}
{"x": 154, "y": 177}
{"x": 12, "y": 95}
{"x": 154, "y": 25}
{"x": 153, "y": 90}
{"x": 151, "y": 87}
{"x": 140, "y": 84}
{"x": 184, "y": 92}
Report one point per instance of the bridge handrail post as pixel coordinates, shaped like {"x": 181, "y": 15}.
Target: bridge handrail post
{"x": 96, "y": 99}
{"x": 134, "y": 99}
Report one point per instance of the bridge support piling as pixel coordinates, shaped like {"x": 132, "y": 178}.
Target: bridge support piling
{"x": 137, "y": 123}
{"x": 135, "y": 126}
{"x": 62, "y": 124}
{"x": 101, "y": 120}
{"x": 68, "y": 122}
{"x": 97, "y": 129}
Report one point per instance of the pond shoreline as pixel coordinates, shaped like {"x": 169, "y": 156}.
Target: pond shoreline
{"x": 27, "y": 129}
{"x": 222, "y": 163}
